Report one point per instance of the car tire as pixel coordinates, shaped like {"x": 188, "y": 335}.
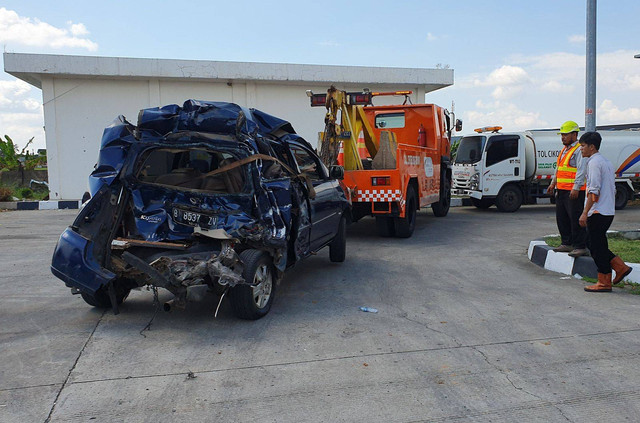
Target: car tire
{"x": 338, "y": 247}
{"x": 622, "y": 197}
{"x": 385, "y": 226}
{"x": 441, "y": 207}
{"x": 251, "y": 302}
{"x": 509, "y": 199}
{"x": 404, "y": 226}
{"x": 101, "y": 298}
{"x": 483, "y": 203}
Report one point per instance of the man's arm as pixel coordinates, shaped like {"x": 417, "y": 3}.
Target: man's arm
{"x": 581, "y": 174}
{"x": 552, "y": 185}
{"x": 593, "y": 192}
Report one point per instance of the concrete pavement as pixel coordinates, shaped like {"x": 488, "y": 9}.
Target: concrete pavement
{"x": 468, "y": 329}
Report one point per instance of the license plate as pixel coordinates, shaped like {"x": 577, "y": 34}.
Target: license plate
{"x": 190, "y": 218}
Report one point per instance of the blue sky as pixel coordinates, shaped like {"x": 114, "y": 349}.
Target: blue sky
{"x": 519, "y": 64}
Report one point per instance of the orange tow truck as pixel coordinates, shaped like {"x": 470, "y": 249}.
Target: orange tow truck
{"x": 396, "y": 158}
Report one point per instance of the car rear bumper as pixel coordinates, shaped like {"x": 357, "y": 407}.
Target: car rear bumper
{"x": 73, "y": 262}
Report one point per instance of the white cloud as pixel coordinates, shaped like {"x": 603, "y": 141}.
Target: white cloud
{"x": 507, "y": 115}
{"x": 506, "y": 92}
{"x": 505, "y": 76}
{"x": 577, "y": 39}
{"x": 610, "y": 113}
{"x": 77, "y": 29}
{"x": 557, "y": 87}
{"x": 431, "y": 37}
{"x": 13, "y": 93}
{"x": 20, "y": 113}
{"x": 21, "y": 127}
{"x": 33, "y": 32}
{"x": 328, "y": 44}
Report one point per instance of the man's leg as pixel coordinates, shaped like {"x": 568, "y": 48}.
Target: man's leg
{"x": 597, "y": 226}
{"x": 578, "y": 233}
{"x": 562, "y": 216}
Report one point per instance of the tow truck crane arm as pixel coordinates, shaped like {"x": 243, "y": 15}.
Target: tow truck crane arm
{"x": 348, "y": 106}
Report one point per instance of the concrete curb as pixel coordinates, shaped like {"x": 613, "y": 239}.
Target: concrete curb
{"x": 543, "y": 255}
{"x": 40, "y": 205}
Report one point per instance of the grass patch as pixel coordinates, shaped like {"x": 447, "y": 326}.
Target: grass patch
{"x": 8, "y": 191}
{"x": 627, "y": 249}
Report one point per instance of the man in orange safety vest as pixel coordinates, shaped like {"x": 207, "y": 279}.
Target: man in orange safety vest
{"x": 569, "y": 182}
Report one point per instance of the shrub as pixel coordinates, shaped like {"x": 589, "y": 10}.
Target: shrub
{"x": 25, "y": 193}
{"x": 5, "y": 194}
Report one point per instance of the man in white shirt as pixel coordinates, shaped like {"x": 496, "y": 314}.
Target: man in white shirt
{"x": 599, "y": 209}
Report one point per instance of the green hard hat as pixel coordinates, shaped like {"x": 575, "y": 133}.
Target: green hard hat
{"x": 569, "y": 126}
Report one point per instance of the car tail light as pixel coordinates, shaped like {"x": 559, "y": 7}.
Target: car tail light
{"x": 380, "y": 180}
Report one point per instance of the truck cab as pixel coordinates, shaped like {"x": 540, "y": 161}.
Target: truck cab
{"x": 493, "y": 168}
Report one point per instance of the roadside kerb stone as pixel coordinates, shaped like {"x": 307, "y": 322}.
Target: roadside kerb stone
{"x": 543, "y": 255}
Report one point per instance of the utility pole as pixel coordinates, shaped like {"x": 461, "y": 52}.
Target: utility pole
{"x": 590, "y": 101}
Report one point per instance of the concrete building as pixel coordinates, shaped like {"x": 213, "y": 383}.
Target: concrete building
{"x": 83, "y": 94}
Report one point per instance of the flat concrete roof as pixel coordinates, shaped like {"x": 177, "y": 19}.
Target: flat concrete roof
{"x": 33, "y": 67}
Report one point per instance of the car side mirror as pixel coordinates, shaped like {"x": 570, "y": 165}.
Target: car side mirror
{"x": 458, "y": 125}
{"x": 336, "y": 172}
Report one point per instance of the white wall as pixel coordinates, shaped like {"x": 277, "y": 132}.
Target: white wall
{"x": 77, "y": 111}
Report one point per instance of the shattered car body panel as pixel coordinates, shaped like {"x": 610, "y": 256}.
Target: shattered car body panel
{"x": 178, "y": 198}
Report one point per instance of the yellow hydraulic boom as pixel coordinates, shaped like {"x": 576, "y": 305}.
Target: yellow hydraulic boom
{"x": 344, "y": 121}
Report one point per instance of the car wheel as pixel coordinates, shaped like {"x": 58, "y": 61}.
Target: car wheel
{"x": 622, "y": 196}
{"x": 252, "y": 302}
{"x": 338, "y": 247}
{"x": 441, "y": 207}
{"x": 404, "y": 226}
{"x": 101, "y": 298}
{"x": 509, "y": 199}
{"x": 385, "y": 226}
{"x": 483, "y": 203}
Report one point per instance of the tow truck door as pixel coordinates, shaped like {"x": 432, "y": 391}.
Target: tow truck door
{"x": 503, "y": 163}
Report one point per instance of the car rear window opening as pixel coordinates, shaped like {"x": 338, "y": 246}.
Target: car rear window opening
{"x": 192, "y": 169}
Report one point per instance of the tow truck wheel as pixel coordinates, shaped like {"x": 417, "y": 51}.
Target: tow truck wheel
{"x": 252, "y": 302}
{"x": 338, "y": 247}
{"x": 509, "y": 199}
{"x": 441, "y": 207}
{"x": 385, "y": 226}
{"x": 404, "y": 226}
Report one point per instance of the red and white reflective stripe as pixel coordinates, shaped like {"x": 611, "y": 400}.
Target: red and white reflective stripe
{"x": 378, "y": 195}
{"x": 544, "y": 176}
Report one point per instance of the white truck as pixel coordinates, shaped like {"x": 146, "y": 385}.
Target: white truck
{"x": 515, "y": 168}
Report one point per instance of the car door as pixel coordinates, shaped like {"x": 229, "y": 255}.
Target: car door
{"x": 325, "y": 207}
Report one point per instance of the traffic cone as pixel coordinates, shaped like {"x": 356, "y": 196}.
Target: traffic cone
{"x": 362, "y": 148}
{"x": 340, "y": 158}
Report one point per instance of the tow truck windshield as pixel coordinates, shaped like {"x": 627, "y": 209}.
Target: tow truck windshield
{"x": 470, "y": 149}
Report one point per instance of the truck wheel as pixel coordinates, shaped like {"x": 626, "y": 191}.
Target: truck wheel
{"x": 338, "y": 247}
{"x": 404, "y": 226}
{"x": 385, "y": 226}
{"x": 484, "y": 203}
{"x": 252, "y": 302}
{"x": 441, "y": 208}
{"x": 509, "y": 199}
{"x": 622, "y": 196}
{"x": 101, "y": 298}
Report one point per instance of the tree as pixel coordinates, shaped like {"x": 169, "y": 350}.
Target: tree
{"x": 10, "y": 158}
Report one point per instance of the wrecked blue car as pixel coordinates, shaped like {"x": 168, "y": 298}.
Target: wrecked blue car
{"x": 208, "y": 195}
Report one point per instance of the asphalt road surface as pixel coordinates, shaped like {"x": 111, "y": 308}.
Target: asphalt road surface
{"x": 467, "y": 330}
